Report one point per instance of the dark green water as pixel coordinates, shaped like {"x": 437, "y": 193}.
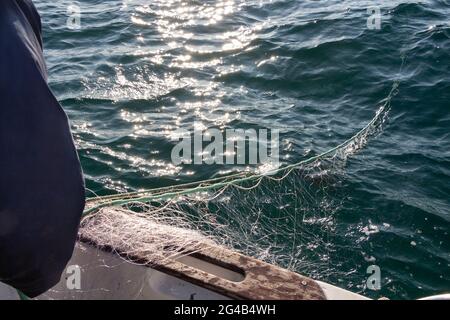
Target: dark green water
{"x": 133, "y": 75}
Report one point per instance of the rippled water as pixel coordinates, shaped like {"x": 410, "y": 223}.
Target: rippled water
{"x": 138, "y": 70}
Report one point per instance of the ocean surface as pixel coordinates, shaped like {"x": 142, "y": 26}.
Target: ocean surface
{"x": 136, "y": 71}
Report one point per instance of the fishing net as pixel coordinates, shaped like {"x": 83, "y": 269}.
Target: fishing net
{"x": 284, "y": 217}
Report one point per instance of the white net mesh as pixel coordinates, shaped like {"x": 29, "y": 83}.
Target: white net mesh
{"x": 286, "y": 218}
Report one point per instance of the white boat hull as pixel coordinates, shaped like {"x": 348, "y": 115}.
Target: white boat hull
{"x": 94, "y": 274}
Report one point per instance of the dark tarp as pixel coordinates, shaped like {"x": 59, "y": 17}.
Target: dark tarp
{"x": 41, "y": 184}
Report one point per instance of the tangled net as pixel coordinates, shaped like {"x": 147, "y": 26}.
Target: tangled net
{"x": 283, "y": 218}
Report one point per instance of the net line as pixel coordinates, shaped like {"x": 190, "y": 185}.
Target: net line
{"x": 286, "y": 218}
